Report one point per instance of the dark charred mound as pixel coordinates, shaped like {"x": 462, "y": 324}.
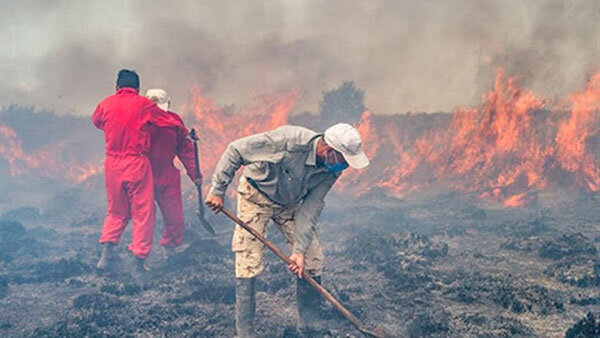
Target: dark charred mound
{"x": 377, "y": 248}
{"x": 95, "y": 312}
{"x": 585, "y": 301}
{"x": 23, "y": 249}
{"x": 441, "y": 323}
{"x": 3, "y": 286}
{"x": 15, "y": 240}
{"x": 524, "y": 227}
{"x": 586, "y": 327}
{"x": 568, "y": 246}
{"x": 87, "y": 218}
{"x": 209, "y": 293}
{"x": 504, "y": 291}
{"x": 577, "y": 271}
{"x": 199, "y": 253}
{"x": 557, "y": 248}
{"x": 527, "y": 245}
{"x": 575, "y": 256}
{"x": 23, "y": 214}
{"x": 482, "y": 325}
{"x": 118, "y": 288}
{"x": 436, "y": 324}
{"x": 50, "y": 271}
{"x": 400, "y": 258}
{"x": 577, "y": 260}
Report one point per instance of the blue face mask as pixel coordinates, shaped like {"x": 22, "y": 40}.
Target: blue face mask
{"x": 337, "y": 159}
{"x": 337, "y": 167}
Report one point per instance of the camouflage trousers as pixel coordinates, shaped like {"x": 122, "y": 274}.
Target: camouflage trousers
{"x": 257, "y": 210}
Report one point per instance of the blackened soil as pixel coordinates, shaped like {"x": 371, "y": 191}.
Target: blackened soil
{"x": 445, "y": 270}
{"x": 589, "y": 326}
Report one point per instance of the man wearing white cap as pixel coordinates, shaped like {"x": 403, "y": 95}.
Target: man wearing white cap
{"x": 288, "y": 171}
{"x": 166, "y": 144}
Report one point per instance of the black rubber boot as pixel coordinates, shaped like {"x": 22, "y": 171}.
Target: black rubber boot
{"x": 245, "y": 307}
{"x": 309, "y": 304}
{"x": 141, "y": 266}
{"x": 109, "y": 259}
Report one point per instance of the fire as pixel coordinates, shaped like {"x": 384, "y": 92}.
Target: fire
{"x": 573, "y": 136}
{"x": 43, "y": 162}
{"x": 80, "y": 173}
{"x": 11, "y": 150}
{"x": 218, "y": 126}
{"x": 505, "y": 150}
{"x": 514, "y": 145}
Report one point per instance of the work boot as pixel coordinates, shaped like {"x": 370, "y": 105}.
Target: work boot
{"x": 309, "y": 303}
{"x": 168, "y": 252}
{"x": 245, "y": 306}
{"x": 141, "y": 265}
{"x": 108, "y": 258}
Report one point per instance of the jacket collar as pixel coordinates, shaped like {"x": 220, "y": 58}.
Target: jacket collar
{"x": 127, "y": 90}
{"x": 312, "y": 151}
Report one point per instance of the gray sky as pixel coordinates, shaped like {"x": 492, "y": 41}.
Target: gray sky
{"x": 406, "y": 55}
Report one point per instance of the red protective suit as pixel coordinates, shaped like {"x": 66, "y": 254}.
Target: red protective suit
{"x": 126, "y": 118}
{"x": 166, "y": 144}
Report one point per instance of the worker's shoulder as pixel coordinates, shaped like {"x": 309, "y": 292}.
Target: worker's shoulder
{"x": 175, "y": 116}
{"x": 293, "y": 134}
{"x": 294, "y": 131}
{"x": 128, "y": 97}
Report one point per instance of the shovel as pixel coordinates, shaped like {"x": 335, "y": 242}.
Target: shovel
{"x": 378, "y": 333}
{"x": 200, "y": 212}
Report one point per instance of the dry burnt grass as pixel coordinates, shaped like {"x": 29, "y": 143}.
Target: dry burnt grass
{"x": 422, "y": 270}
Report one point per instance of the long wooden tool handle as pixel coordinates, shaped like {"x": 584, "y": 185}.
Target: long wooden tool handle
{"x": 194, "y": 138}
{"x": 307, "y": 276}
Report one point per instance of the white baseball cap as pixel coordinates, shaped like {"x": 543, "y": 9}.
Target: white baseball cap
{"x": 346, "y": 139}
{"x": 160, "y": 97}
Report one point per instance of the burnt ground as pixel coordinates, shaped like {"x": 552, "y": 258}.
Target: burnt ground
{"x": 446, "y": 267}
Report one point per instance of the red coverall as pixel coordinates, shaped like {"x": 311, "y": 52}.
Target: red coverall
{"x": 125, "y": 118}
{"x": 166, "y": 144}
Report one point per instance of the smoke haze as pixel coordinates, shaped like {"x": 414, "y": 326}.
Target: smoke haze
{"x": 407, "y": 56}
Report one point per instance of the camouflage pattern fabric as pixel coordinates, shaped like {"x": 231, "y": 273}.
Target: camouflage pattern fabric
{"x": 257, "y": 210}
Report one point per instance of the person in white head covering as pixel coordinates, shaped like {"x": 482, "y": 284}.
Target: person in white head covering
{"x": 166, "y": 144}
{"x": 288, "y": 171}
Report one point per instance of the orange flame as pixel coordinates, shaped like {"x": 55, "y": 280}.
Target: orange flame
{"x": 503, "y": 151}
{"x": 507, "y": 150}
{"x": 218, "y": 126}
{"x": 41, "y": 162}
{"x": 12, "y": 152}
{"x": 573, "y": 135}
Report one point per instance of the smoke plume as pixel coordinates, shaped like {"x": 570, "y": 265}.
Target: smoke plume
{"x": 406, "y": 55}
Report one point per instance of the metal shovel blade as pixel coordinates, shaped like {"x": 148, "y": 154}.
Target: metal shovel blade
{"x": 206, "y": 224}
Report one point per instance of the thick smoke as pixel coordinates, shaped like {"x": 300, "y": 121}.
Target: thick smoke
{"x": 406, "y": 55}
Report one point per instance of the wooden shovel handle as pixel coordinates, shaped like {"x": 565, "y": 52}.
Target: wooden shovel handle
{"x": 355, "y": 321}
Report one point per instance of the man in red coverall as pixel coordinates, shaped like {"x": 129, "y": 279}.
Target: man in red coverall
{"x": 126, "y": 118}
{"x": 166, "y": 144}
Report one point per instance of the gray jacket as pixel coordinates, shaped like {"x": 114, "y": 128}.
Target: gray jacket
{"x": 282, "y": 164}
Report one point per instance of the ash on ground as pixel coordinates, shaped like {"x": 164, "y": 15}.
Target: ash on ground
{"x": 450, "y": 269}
